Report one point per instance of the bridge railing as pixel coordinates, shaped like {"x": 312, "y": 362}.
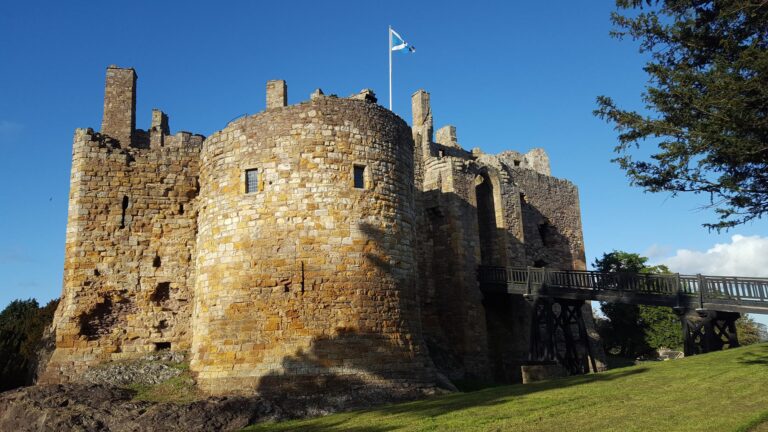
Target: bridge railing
{"x": 706, "y": 288}
{"x": 591, "y": 280}
{"x": 735, "y": 288}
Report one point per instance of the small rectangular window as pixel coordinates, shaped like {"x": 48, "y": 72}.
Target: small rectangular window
{"x": 161, "y": 346}
{"x": 359, "y": 177}
{"x": 251, "y": 180}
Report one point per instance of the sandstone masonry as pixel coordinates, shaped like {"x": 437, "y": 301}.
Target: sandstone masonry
{"x": 322, "y": 244}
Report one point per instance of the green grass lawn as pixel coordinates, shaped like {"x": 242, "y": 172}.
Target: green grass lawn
{"x": 722, "y": 391}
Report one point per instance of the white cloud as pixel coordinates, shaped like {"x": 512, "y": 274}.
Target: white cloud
{"x": 743, "y": 256}
{"x": 656, "y": 251}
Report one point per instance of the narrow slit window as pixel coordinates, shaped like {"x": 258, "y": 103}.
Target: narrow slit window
{"x": 359, "y": 174}
{"x": 124, "y": 208}
{"x": 251, "y": 180}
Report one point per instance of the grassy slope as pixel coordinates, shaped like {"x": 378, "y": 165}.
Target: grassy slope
{"x": 722, "y": 391}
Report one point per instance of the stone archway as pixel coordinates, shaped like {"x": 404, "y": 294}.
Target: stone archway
{"x": 490, "y": 221}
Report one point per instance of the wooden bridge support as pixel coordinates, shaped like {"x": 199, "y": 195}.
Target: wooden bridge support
{"x": 707, "y": 330}
{"x": 558, "y": 334}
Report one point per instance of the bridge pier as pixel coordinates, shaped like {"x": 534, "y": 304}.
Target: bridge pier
{"x": 708, "y": 330}
{"x": 559, "y": 335}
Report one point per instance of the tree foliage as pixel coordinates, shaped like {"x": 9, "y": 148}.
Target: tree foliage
{"x": 748, "y": 331}
{"x": 22, "y": 324}
{"x": 635, "y": 330}
{"x": 707, "y": 102}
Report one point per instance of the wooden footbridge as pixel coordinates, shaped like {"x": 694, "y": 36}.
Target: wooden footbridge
{"x": 722, "y": 293}
{"x": 708, "y": 306}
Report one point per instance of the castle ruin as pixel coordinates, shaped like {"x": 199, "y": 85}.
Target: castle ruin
{"x": 326, "y": 241}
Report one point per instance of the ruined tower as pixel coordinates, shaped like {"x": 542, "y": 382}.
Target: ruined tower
{"x": 477, "y": 209}
{"x": 130, "y": 238}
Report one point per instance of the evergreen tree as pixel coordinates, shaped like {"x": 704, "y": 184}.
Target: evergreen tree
{"x": 706, "y": 102}
{"x": 22, "y": 324}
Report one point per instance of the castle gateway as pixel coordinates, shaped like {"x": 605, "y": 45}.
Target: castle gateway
{"x": 320, "y": 242}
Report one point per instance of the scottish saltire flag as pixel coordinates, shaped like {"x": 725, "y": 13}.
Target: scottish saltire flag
{"x": 398, "y": 43}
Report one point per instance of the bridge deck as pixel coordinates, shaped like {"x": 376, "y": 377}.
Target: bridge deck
{"x": 723, "y": 293}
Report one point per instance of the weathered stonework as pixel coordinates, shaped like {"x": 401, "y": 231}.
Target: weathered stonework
{"x": 130, "y": 241}
{"x": 314, "y": 246}
{"x": 480, "y": 209}
{"x": 307, "y": 276}
{"x": 119, "y": 120}
{"x": 277, "y": 94}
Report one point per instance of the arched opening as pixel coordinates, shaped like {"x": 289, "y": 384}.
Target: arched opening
{"x": 487, "y": 222}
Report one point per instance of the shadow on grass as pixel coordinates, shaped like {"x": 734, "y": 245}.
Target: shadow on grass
{"x": 617, "y": 362}
{"x": 498, "y": 395}
{"x": 334, "y": 426}
{"x": 759, "y": 356}
{"x": 456, "y": 402}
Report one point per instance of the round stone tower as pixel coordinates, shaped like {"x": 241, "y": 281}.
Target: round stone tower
{"x": 305, "y": 268}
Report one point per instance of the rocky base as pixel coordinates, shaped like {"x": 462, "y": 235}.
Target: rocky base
{"x": 93, "y": 407}
{"x": 102, "y": 408}
{"x": 150, "y": 369}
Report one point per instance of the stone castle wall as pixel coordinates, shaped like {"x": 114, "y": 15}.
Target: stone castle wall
{"x": 307, "y": 276}
{"x": 323, "y": 245}
{"x": 451, "y": 303}
{"x": 551, "y": 220}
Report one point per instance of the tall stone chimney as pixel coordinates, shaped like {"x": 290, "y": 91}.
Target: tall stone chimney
{"x": 422, "y": 122}
{"x": 119, "y": 120}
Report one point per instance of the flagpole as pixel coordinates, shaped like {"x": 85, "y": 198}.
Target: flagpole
{"x": 389, "y": 48}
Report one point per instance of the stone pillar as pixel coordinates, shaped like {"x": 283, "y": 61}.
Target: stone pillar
{"x": 277, "y": 94}
{"x": 422, "y": 122}
{"x": 159, "y": 129}
{"x": 160, "y": 122}
{"x": 119, "y": 120}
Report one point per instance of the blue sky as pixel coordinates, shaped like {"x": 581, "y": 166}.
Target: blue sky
{"x": 508, "y": 75}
